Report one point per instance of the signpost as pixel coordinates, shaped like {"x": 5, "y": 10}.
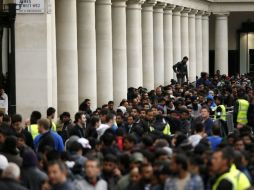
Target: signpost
{"x": 30, "y": 6}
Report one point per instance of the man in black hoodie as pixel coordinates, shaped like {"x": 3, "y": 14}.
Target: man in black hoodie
{"x": 181, "y": 70}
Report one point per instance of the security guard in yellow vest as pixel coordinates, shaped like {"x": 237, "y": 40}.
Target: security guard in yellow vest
{"x": 238, "y": 179}
{"x": 166, "y": 130}
{"x": 220, "y": 112}
{"x": 50, "y": 116}
{"x": 33, "y": 127}
{"x": 228, "y": 177}
{"x": 241, "y": 109}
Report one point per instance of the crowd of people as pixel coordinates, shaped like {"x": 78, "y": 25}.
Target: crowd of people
{"x": 188, "y": 136}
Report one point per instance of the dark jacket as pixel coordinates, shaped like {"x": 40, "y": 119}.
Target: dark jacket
{"x": 181, "y": 68}
{"x": 205, "y": 82}
{"x": 28, "y": 138}
{"x": 83, "y": 107}
{"x": 15, "y": 158}
{"x": 10, "y": 184}
{"x": 250, "y": 115}
{"x": 77, "y": 131}
{"x": 32, "y": 177}
{"x": 111, "y": 181}
{"x": 208, "y": 124}
{"x": 91, "y": 131}
{"x": 65, "y": 133}
{"x": 46, "y": 141}
{"x": 64, "y": 186}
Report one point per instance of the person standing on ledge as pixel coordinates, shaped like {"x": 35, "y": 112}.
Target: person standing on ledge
{"x": 181, "y": 70}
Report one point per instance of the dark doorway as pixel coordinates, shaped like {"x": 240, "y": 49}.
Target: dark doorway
{"x": 251, "y": 58}
{"x": 233, "y": 62}
{"x": 8, "y": 79}
{"x": 211, "y": 62}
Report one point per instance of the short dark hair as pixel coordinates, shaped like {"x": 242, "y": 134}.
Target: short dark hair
{"x": 130, "y": 138}
{"x": 228, "y": 153}
{"x": 78, "y": 116}
{"x": 199, "y": 127}
{"x": 6, "y": 118}
{"x": 160, "y": 152}
{"x": 21, "y": 136}
{"x": 16, "y": 118}
{"x": 94, "y": 119}
{"x": 44, "y": 123}
{"x": 107, "y": 139}
{"x": 50, "y": 111}
{"x": 4, "y": 131}
{"x": 35, "y": 116}
{"x": 205, "y": 108}
{"x": 65, "y": 114}
{"x": 216, "y": 130}
{"x": 181, "y": 160}
{"x": 110, "y": 102}
{"x": 75, "y": 146}
{"x": 104, "y": 111}
{"x": 93, "y": 159}
{"x": 109, "y": 117}
{"x": 130, "y": 116}
{"x": 110, "y": 158}
{"x": 60, "y": 164}
{"x": 186, "y": 58}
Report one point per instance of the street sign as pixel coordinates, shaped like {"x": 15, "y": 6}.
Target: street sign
{"x": 30, "y": 6}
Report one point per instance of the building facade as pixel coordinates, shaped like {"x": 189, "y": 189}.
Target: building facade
{"x": 96, "y": 49}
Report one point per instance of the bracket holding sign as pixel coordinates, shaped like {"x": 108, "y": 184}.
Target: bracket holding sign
{"x": 30, "y": 6}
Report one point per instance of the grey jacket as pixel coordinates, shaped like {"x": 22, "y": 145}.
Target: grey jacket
{"x": 81, "y": 184}
{"x": 33, "y": 177}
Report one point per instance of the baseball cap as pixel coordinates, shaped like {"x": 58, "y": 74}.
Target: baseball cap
{"x": 137, "y": 157}
{"x": 3, "y": 162}
{"x": 84, "y": 142}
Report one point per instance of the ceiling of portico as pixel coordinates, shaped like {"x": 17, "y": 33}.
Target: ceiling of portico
{"x": 229, "y": 1}
{"x": 215, "y": 5}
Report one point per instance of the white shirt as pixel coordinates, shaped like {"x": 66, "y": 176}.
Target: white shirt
{"x": 4, "y": 102}
{"x": 101, "y": 129}
{"x": 195, "y": 139}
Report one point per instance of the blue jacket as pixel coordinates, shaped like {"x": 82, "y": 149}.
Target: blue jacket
{"x": 208, "y": 124}
{"x": 213, "y": 105}
{"x": 59, "y": 146}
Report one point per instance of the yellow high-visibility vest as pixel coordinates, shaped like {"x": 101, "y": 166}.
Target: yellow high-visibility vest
{"x": 223, "y": 113}
{"x": 236, "y": 177}
{"x": 53, "y": 126}
{"x": 166, "y": 130}
{"x": 33, "y": 129}
{"x": 242, "y": 111}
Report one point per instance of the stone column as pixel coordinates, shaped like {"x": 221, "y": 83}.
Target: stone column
{"x": 192, "y": 45}
{"x": 54, "y": 62}
{"x": 158, "y": 44}
{"x": 67, "y": 55}
{"x": 177, "y": 55}
{"x": 134, "y": 43}
{"x": 185, "y": 33}
{"x": 103, "y": 23}
{"x": 205, "y": 41}
{"x": 168, "y": 44}
{"x": 221, "y": 42}
{"x": 119, "y": 50}
{"x": 147, "y": 44}
{"x": 199, "y": 55}
{"x": 87, "y": 51}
